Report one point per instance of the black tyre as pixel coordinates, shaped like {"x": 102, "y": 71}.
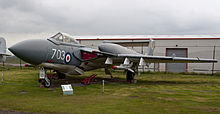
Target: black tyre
{"x": 130, "y": 75}
{"x": 45, "y": 83}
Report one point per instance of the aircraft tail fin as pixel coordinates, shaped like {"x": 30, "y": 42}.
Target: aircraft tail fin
{"x": 2, "y": 45}
{"x": 151, "y": 47}
{"x": 3, "y": 53}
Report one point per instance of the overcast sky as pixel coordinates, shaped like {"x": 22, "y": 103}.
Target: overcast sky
{"x": 23, "y": 19}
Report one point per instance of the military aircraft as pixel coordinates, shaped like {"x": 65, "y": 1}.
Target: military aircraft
{"x": 65, "y": 55}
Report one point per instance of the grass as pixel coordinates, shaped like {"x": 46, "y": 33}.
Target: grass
{"x": 14, "y": 60}
{"x": 153, "y": 93}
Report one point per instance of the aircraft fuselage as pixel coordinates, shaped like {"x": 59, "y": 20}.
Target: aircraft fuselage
{"x": 63, "y": 57}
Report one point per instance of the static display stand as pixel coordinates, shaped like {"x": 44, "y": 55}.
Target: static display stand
{"x": 67, "y": 89}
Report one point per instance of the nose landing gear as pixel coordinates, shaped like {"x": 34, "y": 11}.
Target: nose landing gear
{"x": 43, "y": 78}
{"x": 46, "y": 80}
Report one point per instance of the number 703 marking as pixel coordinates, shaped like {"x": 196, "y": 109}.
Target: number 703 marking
{"x": 59, "y": 54}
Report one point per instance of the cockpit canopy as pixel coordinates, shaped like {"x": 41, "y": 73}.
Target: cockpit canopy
{"x": 63, "y": 37}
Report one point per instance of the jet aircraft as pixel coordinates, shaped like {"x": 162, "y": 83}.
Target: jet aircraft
{"x": 65, "y": 55}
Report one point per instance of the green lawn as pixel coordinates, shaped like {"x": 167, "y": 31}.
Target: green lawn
{"x": 153, "y": 93}
{"x": 14, "y": 60}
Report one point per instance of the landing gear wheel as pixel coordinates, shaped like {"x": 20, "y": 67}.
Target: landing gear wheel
{"x": 45, "y": 83}
{"x": 43, "y": 78}
{"x": 61, "y": 75}
{"x": 130, "y": 76}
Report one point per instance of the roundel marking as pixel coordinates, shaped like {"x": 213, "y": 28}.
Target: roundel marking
{"x": 68, "y": 58}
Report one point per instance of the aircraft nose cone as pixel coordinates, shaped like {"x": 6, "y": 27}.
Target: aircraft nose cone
{"x": 31, "y": 51}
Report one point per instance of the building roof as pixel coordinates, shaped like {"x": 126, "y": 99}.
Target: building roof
{"x": 147, "y": 37}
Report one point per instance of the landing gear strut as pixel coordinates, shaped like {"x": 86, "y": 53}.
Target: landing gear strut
{"x": 43, "y": 78}
{"x": 130, "y": 75}
{"x": 108, "y": 72}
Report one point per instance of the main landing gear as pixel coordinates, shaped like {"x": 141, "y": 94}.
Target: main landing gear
{"x": 130, "y": 75}
{"x": 45, "y": 79}
{"x": 60, "y": 75}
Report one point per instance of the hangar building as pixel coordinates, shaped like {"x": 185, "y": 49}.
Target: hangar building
{"x": 202, "y": 46}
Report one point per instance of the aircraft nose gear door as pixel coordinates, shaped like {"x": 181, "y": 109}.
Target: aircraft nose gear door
{"x": 43, "y": 78}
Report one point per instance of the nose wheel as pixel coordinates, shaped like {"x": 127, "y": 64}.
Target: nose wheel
{"x": 43, "y": 78}
{"x": 45, "y": 82}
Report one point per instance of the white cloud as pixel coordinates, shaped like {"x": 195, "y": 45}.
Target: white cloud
{"x": 110, "y": 16}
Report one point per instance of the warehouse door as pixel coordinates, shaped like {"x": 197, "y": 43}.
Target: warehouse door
{"x": 176, "y": 67}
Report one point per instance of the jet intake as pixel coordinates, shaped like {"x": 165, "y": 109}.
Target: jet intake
{"x": 88, "y": 55}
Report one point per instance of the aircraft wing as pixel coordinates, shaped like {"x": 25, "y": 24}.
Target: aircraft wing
{"x": 111, "y": 58}
{"x": 119, "y": 58}
{"x": 165, "y": 59}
